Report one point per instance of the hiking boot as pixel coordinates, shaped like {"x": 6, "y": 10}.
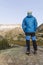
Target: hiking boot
{"x": 27, "y": 52}
{"x": 35, "y": 52}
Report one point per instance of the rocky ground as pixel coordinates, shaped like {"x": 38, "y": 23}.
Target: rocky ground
{"x": 17, "y": 56}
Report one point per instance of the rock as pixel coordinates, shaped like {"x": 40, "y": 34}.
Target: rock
{"x": 17, "y": 56}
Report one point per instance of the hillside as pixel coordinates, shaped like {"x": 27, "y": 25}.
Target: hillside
{"x": 17, "y": 34}
{"x": 40, "y": 28}
{"x": 15, "y": 54}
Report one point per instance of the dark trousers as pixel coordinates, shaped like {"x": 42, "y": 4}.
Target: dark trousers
{"x": 33, "y": 40}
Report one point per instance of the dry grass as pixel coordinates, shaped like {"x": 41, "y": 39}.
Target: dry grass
{"x": 23, "y": 43}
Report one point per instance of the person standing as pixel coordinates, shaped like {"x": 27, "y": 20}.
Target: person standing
{"x": 29, "y": 26}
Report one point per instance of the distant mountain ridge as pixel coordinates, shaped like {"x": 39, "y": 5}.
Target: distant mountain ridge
{"x": 6, "y": 28}
{"x": 9, "y": 26}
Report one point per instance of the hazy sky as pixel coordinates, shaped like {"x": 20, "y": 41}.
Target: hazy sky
{"x": 13, "y": 11}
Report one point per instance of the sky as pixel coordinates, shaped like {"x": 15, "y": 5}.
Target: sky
{"x": 14, "y": 11}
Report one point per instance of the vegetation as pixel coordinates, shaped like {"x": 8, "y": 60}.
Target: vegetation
{"x": 23, "y": 43}
{"x": 4, "y": 44}
{"x": 7, "y": 43}
{"x": 16, "y": 36}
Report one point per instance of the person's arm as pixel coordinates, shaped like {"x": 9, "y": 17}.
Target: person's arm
{"x": 23, "y": 25}
{"x": 35, "y": 24}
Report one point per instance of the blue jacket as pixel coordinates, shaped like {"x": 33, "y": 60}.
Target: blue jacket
{"x": 29, "y": 24}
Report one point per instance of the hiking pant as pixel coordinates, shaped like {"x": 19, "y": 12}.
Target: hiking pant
{"x": 33, "y": 37}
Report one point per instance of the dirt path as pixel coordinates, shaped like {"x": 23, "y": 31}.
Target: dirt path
{"x": 17, "y": 56}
